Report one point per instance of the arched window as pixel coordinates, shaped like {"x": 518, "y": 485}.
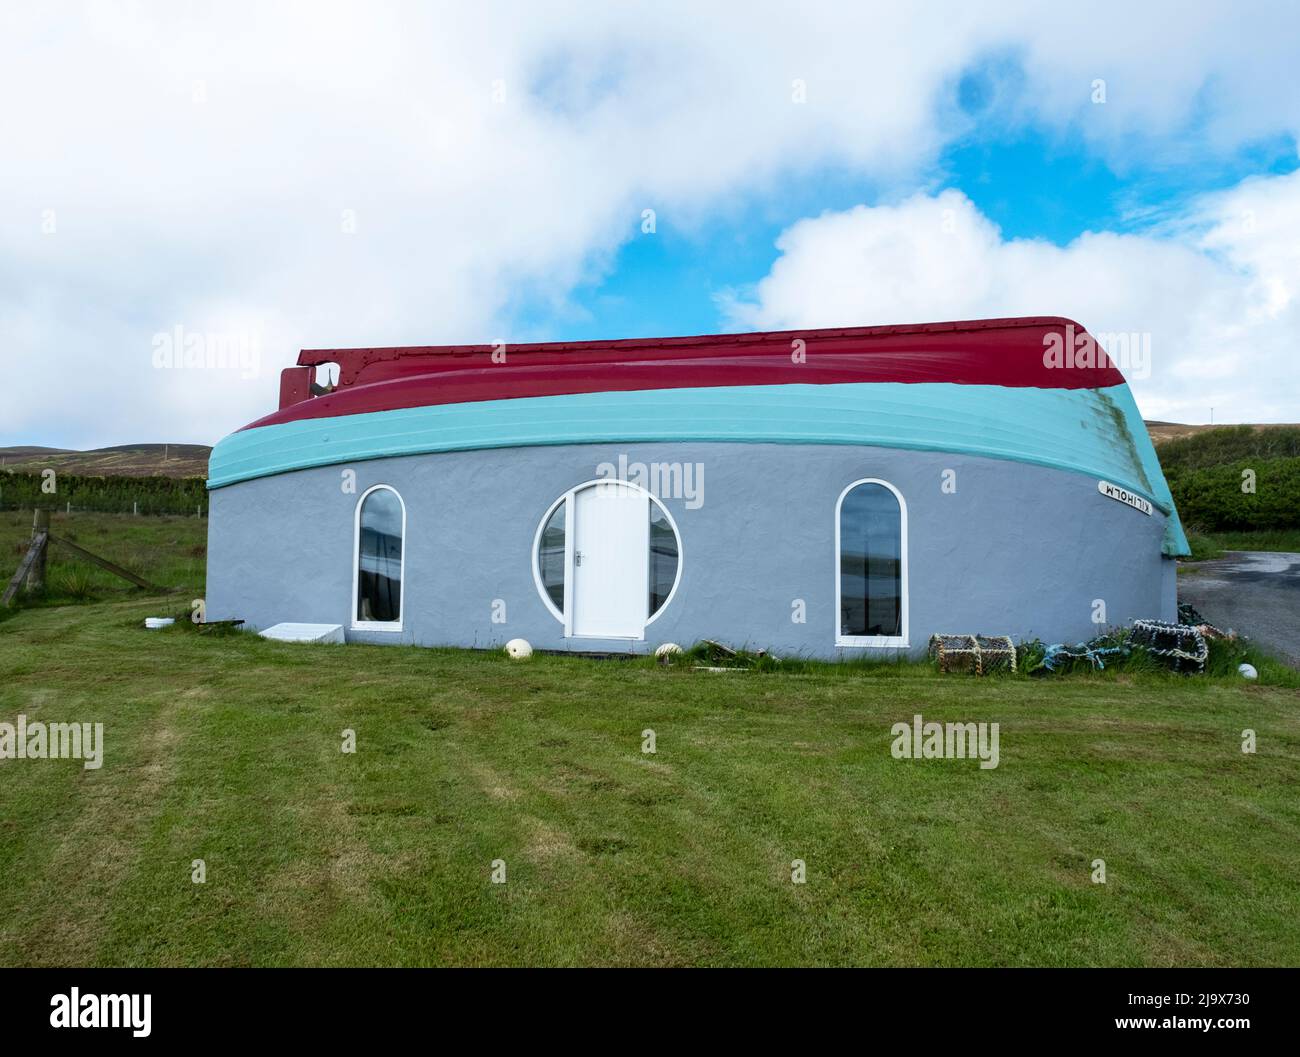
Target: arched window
{"x": 377, "y": 572}
{"x": 871, "y": 573}
{"x": 607, "y": 559}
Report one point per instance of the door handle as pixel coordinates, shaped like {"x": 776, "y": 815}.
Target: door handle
{"x": 577, "y": 557}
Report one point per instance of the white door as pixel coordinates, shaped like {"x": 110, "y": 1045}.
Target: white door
{"x": 611, "y": 541}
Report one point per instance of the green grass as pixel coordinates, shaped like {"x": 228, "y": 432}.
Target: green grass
{"x": 1208, "y": 545}
{"x": 168, "y": 551}
{"x": 227, "y": 748}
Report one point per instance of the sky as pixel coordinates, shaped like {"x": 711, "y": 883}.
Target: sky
{"x": 246, "y": 180}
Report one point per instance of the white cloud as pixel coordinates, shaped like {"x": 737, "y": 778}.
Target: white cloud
{"x": 198, "y": 163}
{"x": 1219, "y": 296}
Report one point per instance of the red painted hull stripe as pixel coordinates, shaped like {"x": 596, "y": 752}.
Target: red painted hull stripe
{"x": 422, "y": 381}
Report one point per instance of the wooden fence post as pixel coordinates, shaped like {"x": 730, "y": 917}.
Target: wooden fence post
{"x": 36, "y": 574}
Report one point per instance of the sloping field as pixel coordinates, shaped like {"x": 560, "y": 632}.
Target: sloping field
{"x": 127, "y": 460}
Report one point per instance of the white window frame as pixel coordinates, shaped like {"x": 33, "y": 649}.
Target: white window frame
{"x": 375, "y": 625}
{"x": 873, "y": 641}
{"x": 566, "y": 618}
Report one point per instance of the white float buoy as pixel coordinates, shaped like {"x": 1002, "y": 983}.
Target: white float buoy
{"x": 1247, "y": 671}
{"x": 519, "y": 649}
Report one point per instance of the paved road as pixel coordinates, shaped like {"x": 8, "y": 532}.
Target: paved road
{"x": 1256, "y": 593}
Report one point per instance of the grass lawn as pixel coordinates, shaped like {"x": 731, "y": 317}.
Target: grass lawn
{"x": 227, "y": 749}
{"x": 1207, "y": 545}
{"x": 168, "y": 551}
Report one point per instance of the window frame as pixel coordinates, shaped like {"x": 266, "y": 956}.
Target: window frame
{"x": 568, "y": 557}
{"x": 567, "y": 497}
{"x": 873, "y": 641}
{"x": 375, "y": 625}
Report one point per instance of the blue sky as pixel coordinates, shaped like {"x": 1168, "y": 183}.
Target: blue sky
{"x": 1035, "y": 185}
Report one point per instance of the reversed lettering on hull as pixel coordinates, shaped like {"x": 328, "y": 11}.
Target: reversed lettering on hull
{"x": 1123, "y": 495}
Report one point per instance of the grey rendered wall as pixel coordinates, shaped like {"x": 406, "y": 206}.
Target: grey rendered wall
{"x": 1017, "y": 549}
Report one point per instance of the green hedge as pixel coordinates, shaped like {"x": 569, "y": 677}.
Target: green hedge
{"x": 150, "y": 495}
{"x": 1204, "y": 471}
{"x": 1210, "y": 498}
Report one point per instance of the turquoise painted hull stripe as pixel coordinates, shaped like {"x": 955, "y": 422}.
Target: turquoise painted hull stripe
{"x": 1097, "y": 432}
{"x": 1175, "y": 540}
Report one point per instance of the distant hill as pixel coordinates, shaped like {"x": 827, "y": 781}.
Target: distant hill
{"x": 1222, "y": 445}
{"x": 1163, "y": 431}
{"x": 123, "y": 460}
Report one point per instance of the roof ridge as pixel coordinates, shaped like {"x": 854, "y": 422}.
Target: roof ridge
{"x": 314, "y": 357}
